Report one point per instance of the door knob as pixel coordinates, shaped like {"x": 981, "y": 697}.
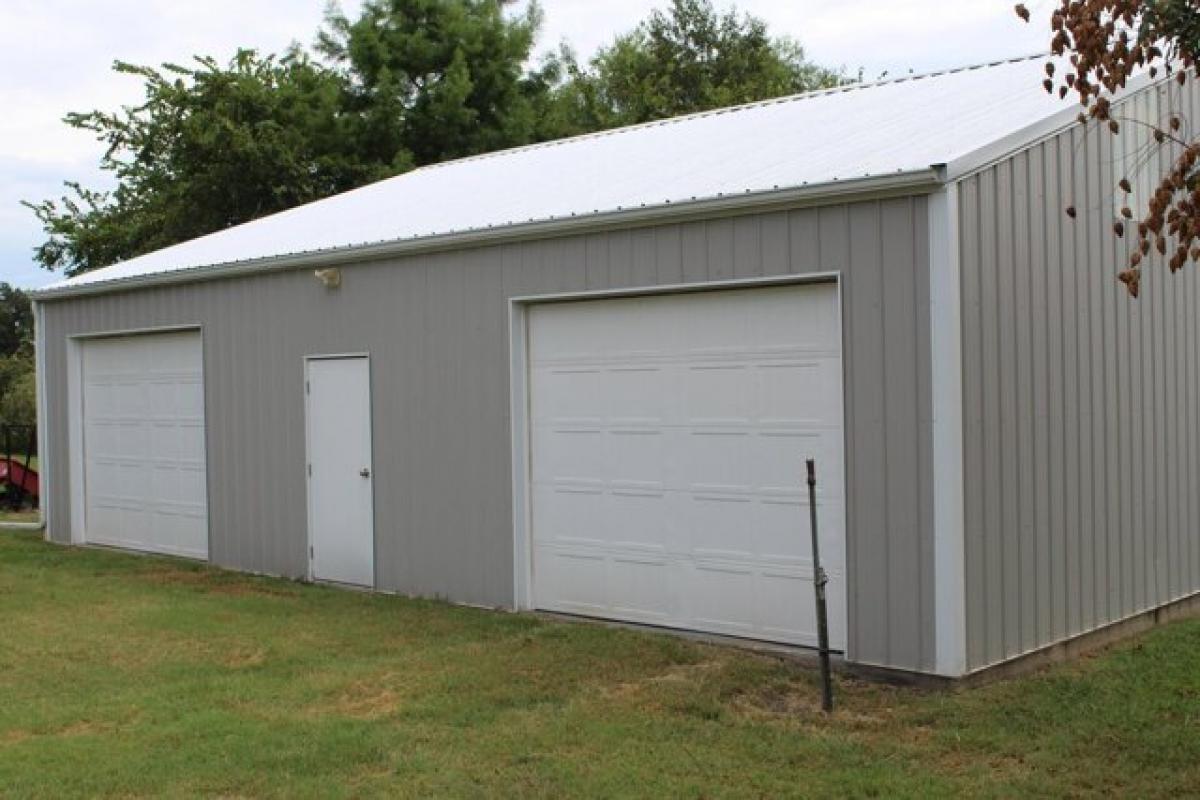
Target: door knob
{"x": 365, "y": 472}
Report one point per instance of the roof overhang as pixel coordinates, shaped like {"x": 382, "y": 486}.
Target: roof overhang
{"x": 870, "y": 187}
{"x": 1025, "y": 138}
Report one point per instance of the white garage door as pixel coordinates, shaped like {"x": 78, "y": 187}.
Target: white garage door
{"x": 143, "y": 443}
{"x": 668, "y": 438}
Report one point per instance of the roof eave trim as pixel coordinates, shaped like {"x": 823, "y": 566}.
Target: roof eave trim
{"x": 905, "y": 182}
{"x": 997, "y": 151}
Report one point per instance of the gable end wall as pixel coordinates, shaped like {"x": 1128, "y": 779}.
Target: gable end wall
{"x": 1081, "y": 415}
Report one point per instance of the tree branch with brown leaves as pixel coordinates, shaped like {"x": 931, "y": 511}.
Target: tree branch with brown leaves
{"x": 1106, "y": 43}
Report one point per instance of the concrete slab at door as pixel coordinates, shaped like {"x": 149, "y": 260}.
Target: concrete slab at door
{"x": 144, "y": 482}
{"x": 340, "y": 480}
{"x": 667, "y": 437}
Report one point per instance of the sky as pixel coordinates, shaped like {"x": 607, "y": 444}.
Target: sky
{"x": 56, "y": 56}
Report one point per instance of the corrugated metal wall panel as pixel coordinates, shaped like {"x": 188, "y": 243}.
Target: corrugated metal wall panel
{"x": 1082, "y": 461}
{"x": 436, "y": 327}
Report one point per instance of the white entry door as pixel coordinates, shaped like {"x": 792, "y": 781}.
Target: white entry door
{"x": 340, "y": 494}
{"x": 668, "y": 436}
{"x": 143, "y": 481}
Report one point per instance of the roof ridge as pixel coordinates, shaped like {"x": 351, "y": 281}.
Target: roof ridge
{"x": 716, "y": 112}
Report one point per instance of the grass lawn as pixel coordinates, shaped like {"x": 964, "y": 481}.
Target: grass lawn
{"x": 132, "y": 676}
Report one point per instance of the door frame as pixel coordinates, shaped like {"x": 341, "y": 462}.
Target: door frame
{"x": 519, "y": 408}
{"x": 308, "y": 494}
{"x": 76, "y": 456}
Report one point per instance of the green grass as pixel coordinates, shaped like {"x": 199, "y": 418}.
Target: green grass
{"x": 130, "y": 676}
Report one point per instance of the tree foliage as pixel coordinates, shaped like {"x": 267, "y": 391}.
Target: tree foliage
{"x": 211, "y": 146}
{"x": 404, "y": 84}
{"x": 16, "y": 320}
{"x": 17, "y": 393}
{"x": 1107, "y": 43}
{"x": 688, "y": 58}
{"x": 430, "y": 80}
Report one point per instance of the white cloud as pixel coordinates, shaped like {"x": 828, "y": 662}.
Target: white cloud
{"x": 56, "y": 56}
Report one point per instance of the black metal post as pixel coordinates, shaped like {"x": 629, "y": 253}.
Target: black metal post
{"x": 30, "y": 447}
{"x": 819, "y": 581}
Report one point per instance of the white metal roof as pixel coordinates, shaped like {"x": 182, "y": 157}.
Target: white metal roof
{"x": 833, "y": 138}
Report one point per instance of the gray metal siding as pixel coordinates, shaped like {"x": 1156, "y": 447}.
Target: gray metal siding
{"x": 436, "y": 327}
{"x": 1080, "y": 405}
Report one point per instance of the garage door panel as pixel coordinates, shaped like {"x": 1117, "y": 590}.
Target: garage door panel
{"x": 161, "y": 398}
{"x": 192, "y": 482}
{"x": 719, "y": 526}
{"x": 788, "y": 611}
{"x": 722, "y": 598}
{"x": 569, "y": 513}
{"x": 572, "y": 581}
{"x": 616, "y": 518}
{"x": 579, "y": 326}
{"x": 798, "y": 392}
{"x": 639, "y": 589}
{"x": 712, "y": 323}
{"x": 177, "y": 443}
{"x": 776, "y": 467}
{"x": 635, "y": 457}
{"x": 571, "y": 453}
{"x": 106, "y": 515}
{"x": 802, "y": 316}
{"x": 635, "y": 393}
{"x": 189, "y": 399}
{"x": 191, "y": 440}
{"x": 781, "y": 533}
{"x": 143, "y": 441}
{"x": 567, "y": 395}
{"x": 715, "y": 393}
{"x": 718, "y": 459}
{"x": 668, "y": 439}
{"x": 638, "y": 518}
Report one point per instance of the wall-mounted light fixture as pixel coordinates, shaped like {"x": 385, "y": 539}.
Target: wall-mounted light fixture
{"x": 329, "y": 278}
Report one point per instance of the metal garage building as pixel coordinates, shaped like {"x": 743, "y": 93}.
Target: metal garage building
{"x": 583, "y": 376}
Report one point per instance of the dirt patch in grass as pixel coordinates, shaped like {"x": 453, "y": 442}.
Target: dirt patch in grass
{"x": 250, "y": 590}
{"x": 245, "y": 658}
{"x": 15, "y": 736}
{"x": 365, "y": 699}
{"x": 85, "y": 728}
{"x": 675, "y": 679}
{"x": 68, "y": 731}
{"x": 212, "y": 581}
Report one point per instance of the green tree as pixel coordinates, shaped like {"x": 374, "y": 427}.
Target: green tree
{"x": 17, "y": 393}
{"x": 685, "y": 59}
{"x": 407, "y": 83}
{"x": 431, "y": 80}
{"x": 16, "y": 320}
{"x": 210, "y": 147}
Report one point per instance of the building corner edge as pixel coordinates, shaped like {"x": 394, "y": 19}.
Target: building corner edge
{"x": 949, "y": 535}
